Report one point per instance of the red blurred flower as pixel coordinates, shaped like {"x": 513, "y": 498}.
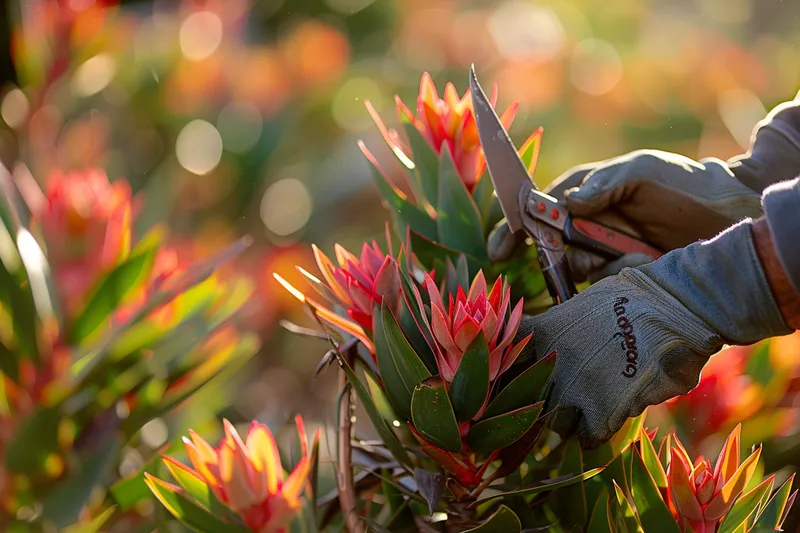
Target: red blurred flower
{"x": 86, "y": 222}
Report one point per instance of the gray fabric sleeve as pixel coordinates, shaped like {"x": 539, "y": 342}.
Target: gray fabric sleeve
{"x": 782, "y": 210}
{"x": 774, "y": 153}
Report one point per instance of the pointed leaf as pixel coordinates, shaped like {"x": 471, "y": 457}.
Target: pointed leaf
{"x": 400, "y": 367}
{"x": 195, "y": 487}
{"x": 502, "y": 521}
{"x": 34, "y": 441}
{"x": 771, "y": 516}
{"x": 745, "y": 506}
{"x": 431, "y": 487}
{"x": 112, "y": 291}
{"x": 429, "y": 250}
{"x": 433, "y": 417}
{"x": 189, "y": 513}
{"x": 650, "y": 506}
{"x": 426, "y": 163}
{"x": 650, "y": 458}
{"x": 491, "y": 434}
{"x": 93, "y": 526}
{"x": 627, "y": 516}
{"x": 459, "y": 223}
{"x": 600, "y": 522}
{"x": 544, "y": 486}
{"x": 416, "y": 219}
{"x": 523, "y": 388}
{"x": 513, "y": 456}
{"x": 722, "y": 502}
{"x": 470, "y": 385}
{"x": 388, "y": 436}
{"x": 484, "y": 197}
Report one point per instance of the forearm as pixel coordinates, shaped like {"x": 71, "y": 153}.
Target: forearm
{"x": 774, "y": 154}
{"x": 777, "y": 240}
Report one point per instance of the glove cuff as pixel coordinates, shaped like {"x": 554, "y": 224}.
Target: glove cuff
{"x": 722, "y": 282}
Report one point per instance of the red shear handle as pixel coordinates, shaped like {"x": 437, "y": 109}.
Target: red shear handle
{"x": 604, "y": 240}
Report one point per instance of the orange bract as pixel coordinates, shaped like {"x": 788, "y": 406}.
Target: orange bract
{"x": 446, "y": 123}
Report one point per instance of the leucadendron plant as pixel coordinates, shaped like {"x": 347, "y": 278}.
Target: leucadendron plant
{"x": 426, "y": 336}
{"x": 94, "y": 344}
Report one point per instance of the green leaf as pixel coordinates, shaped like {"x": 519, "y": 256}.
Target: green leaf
{"x": 496, "y": 433}
{"x": 93, "y": 526}
{"x": 470, "y": 385}
{"x": 189, "y": 513}
{"x": 457, "y": 276}
{"x": 64, "y": 503}
{"x": 417, "y": 219}
{"x": 196, "y": 488}
{"x": 19, "y": 303}
{"x": 600, "y": 522}
{"x": 544, "y": 486}
{"x": 433, "y": 417}
{"x": 426, "y": 163}
{"x": 651, "y": 461}
{"x": 34, "y": 441}
{"x": 388, "y": 437}
{"x": 458, "y": 222}
{"x": 653, "y": 511}
{"x": 112, "y": 291}
{"x": 130, "y": 491}
{"x": 379, "y": 397}
{"x": 411, "y": 323}
{"x": 745, "y": 506}
{"x": 428, "y": 250}
{"x": 626, "y": 517}
{"x": 502, "y": 521}
{"x": 523, "y": 388}
{"x": 400, "y": 367}
{"x": 771, "y": 516}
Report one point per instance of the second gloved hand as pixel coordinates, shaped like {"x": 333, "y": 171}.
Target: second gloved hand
{"x": 643, "y": 336}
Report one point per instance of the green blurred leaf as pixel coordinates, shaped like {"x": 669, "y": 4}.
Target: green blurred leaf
{"x": 544, "y": 486}
{"x": 18, "y": 302}
{"x": 410, "y": 214}
{"x": 64, "y": 503}
{"x": 459, "y": 223}
{"x": 412, "y": 325}
{"x": 401, "y": 517}
{"x": 626, "y": 517}
{"x": 388, "y": 437}
{"x": 428, "y": 251}
{"x": 196, "y": 488}
{"x": 112, "y": 291}
{"x": 771, "y": 516}
{"x": 379, "y": 397}
{"x": 650, "y": 506}
{"x": 426, "y": 163}
{"x": 523, "y": 388}
{"x": 189, "y": 513}
{"x": 502, "y": 521}
{"x": 130, "y": 491}
{"x": 496, "y": 433}
{"x": 93, "y": 526}
{"x": 745, "y": 506}
{"x": 600, "y": 522}
{"x": 34, "y": 441}
{"x": 400, "y": 367}
{"x": 483, "y": 195}
{"x": 432, "y": 415}
{"x": 470, "y": 385}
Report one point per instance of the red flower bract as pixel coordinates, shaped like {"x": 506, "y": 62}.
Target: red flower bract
{"x": 455, "y": 327}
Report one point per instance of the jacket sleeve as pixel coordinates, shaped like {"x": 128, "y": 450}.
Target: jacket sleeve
{"x": 782, "y": 210}
{"x": 774, "y": 153}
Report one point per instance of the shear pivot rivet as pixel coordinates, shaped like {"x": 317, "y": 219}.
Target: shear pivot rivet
{"x": 554, "y": 213}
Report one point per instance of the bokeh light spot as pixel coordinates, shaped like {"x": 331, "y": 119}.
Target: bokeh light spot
{"x": 739, "y": 110}
{"x": 94, "y": 75}
{"x": 596, "y": 67}
{"x": 240, "y": 124}
{"x": 348, "y": 105}
{"x": 155, "y": 433}
{"x": 14, "y": 108}
{"x": 199, "y": 147}
{"x": 286, "y": 207}
{"x": 522, "y": 29}
{"x": 200, "y": 35}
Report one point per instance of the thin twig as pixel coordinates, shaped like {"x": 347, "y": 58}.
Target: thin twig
{"x": 344, "y": 474}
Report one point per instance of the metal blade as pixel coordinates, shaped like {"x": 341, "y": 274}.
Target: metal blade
{"x": 507, "y": 171}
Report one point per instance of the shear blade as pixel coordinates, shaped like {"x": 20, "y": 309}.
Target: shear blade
{"x": 508, "y": 173}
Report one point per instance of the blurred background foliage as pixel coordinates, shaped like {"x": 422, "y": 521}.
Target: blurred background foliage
{"x": 241, "y": 117}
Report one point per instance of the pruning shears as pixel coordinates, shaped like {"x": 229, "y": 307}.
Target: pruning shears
{"x": 548, "y": 222}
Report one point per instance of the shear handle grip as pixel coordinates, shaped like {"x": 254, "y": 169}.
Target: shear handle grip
{"x": 558, "y": 277}
{"x": 605, "y": 241}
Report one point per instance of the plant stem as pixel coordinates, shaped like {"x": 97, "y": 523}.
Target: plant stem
{"x": 344, "y": 465}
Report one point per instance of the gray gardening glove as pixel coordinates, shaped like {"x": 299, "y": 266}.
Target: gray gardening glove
{"x": 641, "y": 337}
{"x": 671, "y": 200}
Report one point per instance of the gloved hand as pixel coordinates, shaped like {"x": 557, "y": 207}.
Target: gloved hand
{"x": 670, "y": 199}
{"x": 641, "y": 337}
